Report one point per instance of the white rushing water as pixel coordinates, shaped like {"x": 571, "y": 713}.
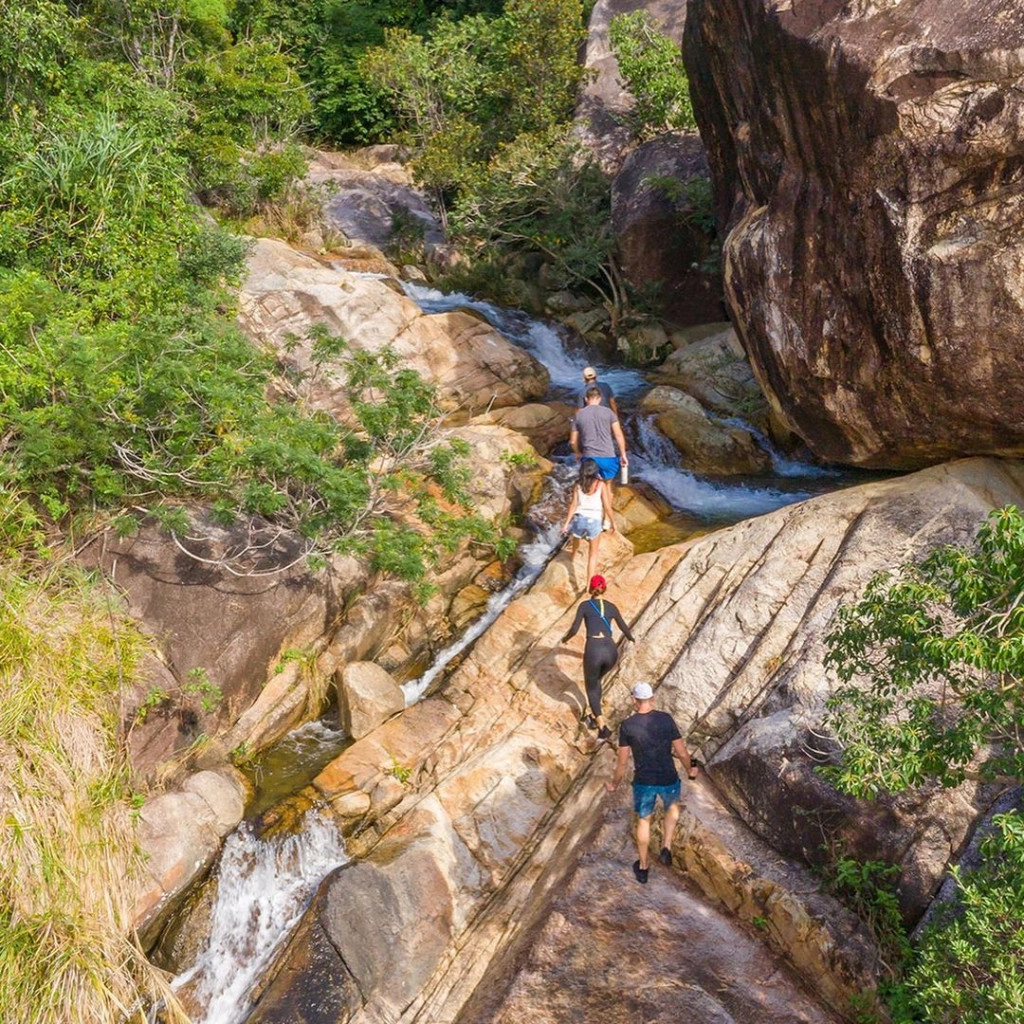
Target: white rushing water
{"x": 533, "y": 558}
{"x": 263, "y": 887}
{"x": 653, "y": 458}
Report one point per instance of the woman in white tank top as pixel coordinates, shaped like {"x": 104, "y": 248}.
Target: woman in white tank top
{"x": 589, "y": 509}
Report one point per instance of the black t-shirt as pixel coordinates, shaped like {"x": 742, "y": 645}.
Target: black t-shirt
{"x": 650, "y": 736}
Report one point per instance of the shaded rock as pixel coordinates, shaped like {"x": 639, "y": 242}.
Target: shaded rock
{"x": 367, "y": 696}
{"x": 665, "y": 231}
{"x": 604, "y": 938}
{"x": 286, "y": 293}
{"x": 736, "y": 637}
{"x": 868, "y": 164}
{"x": 707, "y": 444}
{"x": 372, "y": 204}
{"x": 222, "y": 604}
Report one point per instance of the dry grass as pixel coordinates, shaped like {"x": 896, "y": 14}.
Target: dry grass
{"x": 67, "y": 845}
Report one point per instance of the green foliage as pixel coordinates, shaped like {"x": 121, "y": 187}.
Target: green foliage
{"x": 544, "y": 195}
{"x": 399, "y": 771}
{"x": 68, "y": 858}
{"x": 651, "y": 66}
{"x": 868, "y": 888}
{"x": 475, "y": 84}
{"x": 940, "y": 646}
{"x": 969, "y": 963}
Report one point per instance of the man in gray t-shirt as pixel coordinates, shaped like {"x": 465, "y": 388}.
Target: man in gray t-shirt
{"x": 596, "y": 434}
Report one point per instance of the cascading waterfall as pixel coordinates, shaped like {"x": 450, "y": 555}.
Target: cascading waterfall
{"x": 656, "y": 461}
{"x": 264, "y": 884}
{"x": 653, "y": 458}
{"x": 533, "y": 558}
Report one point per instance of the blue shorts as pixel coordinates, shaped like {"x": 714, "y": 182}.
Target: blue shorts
{"x": 584, "y": 526}
{"x": 645, "y": 798}
{"x": 607, "y": 467}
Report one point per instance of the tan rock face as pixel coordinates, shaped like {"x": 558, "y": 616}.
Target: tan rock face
{"x": 367, "y": 696}
{"x": 869, "y": 162}
{"x": 287, "y": 292}
{"x": 736, "y": 637}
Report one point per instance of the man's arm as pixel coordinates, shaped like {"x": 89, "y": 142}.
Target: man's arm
{"x": 620, "y": 440}
{"x": 679, "y": 749}
{"x": 574, "y": 440}
{"x": 620, "y": 769}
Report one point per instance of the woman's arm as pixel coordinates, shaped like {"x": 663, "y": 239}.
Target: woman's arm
{"x": 575, "y": 625}
{"x": 617, "y": 616}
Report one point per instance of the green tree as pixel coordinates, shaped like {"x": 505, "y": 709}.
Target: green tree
{"x": 940, "y": 645}
{"x": 931, "y": 660}
{"x": 651, "y": 66}
{"x": 543, "y": 194}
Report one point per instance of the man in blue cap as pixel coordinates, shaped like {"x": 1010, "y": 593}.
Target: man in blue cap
{"x": 653, "y": 737}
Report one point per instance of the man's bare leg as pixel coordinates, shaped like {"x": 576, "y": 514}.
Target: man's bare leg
{"x": 671, "y": 820}
{"x": 643, "y": 840}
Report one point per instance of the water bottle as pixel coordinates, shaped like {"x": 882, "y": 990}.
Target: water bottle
{"x": 624, "y": 474}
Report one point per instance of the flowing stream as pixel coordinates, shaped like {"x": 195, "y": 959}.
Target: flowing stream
{"x": 264, "y": 883}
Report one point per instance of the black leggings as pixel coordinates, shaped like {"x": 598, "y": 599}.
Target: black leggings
{"x": 599, "y": 657}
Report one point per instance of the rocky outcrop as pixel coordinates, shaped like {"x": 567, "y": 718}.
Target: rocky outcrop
{"x": 716, "y": 372}
{"x": 868, "y": 161}
{"x": 287, "y": 292}
{"x": 708, "y": 444}
{"x": 368, "y": 194}
{"x": 222, "y": 604}
{"x": 604, "y": 105}
{"x": 664, "y": 229}
{"x": 735, "y": 636}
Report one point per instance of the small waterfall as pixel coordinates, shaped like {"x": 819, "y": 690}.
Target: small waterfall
{"x": 533, "y": 557}
{"x": 655, "y": 461}
{"x": 263, "y": 886}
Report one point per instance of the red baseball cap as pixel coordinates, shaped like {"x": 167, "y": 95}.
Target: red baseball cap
{"x": 598, "y": 583}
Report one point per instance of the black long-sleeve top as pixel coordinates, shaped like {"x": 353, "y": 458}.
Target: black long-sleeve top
{"x": 590, "y": 613}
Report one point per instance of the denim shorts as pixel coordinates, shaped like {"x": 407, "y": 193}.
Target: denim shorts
{"x": 645, "y": 798}
{"x": 584, "y": 526}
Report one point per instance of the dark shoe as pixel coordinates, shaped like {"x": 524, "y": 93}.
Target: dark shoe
{"x": 665, "y": 856}
{"x": 641, "y": 873}
{"x": 591, "y": 722}
{"x": 604, "y": 733}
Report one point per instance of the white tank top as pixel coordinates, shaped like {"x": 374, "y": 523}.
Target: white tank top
{"x": 589, "y": 505}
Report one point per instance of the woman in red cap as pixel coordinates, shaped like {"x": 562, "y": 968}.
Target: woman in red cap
{"x": 599, "y": 653}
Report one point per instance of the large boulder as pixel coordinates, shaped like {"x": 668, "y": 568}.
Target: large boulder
{"x": 708, "y": 444}
{"x": 286, "y": 292}
{"x": 868, "y": 162}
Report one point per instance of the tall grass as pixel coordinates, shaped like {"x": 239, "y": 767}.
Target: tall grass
{"x": 67, "y": 848}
